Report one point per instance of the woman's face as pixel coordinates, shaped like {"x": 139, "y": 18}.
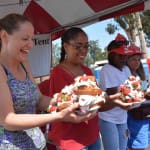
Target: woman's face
{"x": 77, "y": 49}
{"x": 20, "y": 41}
{"x": 134, "y": 62}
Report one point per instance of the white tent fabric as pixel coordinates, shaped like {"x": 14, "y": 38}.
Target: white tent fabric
{"x": 40, "y": 56}
{"x": 50, "y": 16}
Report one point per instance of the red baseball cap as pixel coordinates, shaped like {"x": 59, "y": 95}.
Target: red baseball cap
{"x": 133, "y": 49}
{"x": 120, "y": 37}
{"x": 122, "y": 50}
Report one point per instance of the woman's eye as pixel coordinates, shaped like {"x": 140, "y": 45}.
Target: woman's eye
{"x": 25, "y": 39}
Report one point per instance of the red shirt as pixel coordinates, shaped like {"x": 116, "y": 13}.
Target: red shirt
{"x": 70, "y": 135}
{"x": 44, "y": 87}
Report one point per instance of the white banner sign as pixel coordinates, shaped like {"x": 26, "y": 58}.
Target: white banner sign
{"x": 40, "y": 55}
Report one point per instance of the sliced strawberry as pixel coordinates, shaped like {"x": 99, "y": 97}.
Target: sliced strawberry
{"x": 136, "y": 99}
{"x": 132, "y": 78}
{"x": 84, "y": 78}
{"x": 124, "y": 90}
{"x": 58, "y": 100}
{"x": 128, "y": 100}
{"x": 68, "y": 98}
{"x": 53, "y": 108}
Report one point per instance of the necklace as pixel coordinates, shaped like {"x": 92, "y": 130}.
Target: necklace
{"x": 72, "y": 70}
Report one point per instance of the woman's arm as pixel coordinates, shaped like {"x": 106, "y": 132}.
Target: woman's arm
{"x": 113, "y": 101}
{"x": 13, "y": 122}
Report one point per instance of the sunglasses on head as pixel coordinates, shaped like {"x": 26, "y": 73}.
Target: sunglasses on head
{"x": 120, "y": 43}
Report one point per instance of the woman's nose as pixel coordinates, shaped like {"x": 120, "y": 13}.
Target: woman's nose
{"x": 30, "y": 44}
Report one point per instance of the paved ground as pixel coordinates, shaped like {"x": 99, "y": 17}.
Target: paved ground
{"x": 103, "y": 148}
{"x": 148, "y": 148}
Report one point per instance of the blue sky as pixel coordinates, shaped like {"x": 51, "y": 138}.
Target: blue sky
{"x": 97, "y": 32}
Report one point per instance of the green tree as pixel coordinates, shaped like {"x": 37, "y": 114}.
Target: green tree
{"x": 95, "y": 53}
{"x": 55, "y": 54}
{"x": 133, "y": 27}
{"x": 127, "y": 23}
{"x": 145, "y": 17}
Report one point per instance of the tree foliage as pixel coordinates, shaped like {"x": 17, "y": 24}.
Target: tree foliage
{"x": 145, "y": 17}
{"x": 95, "y": 53}
{"x": 129, "y": 24}
{"x": 136, "y": 27}
{"x": 55, "y": 54}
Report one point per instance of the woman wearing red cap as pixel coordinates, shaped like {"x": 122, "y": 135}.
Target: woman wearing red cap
{"x": 113, "y": 123}
{"x": 138, "y": 124}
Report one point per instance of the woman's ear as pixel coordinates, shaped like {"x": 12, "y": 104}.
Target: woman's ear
{"x": 66, "y": 48}
{"x": 3, "y": 35}
{"x": 65, "y": 45}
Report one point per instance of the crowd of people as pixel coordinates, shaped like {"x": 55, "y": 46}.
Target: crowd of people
{"x": 22, "y": 99}
{"x": 74, "y": 49}
{"x": 126, "y": 129}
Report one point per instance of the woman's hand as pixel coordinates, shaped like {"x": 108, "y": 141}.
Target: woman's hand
{"x": 116, "y": 100}
{"x": 69, "y": 115}
{"x": 147, "y": 95}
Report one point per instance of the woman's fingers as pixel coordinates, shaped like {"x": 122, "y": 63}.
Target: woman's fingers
{"x": 69, "y": 114}
{"x": 115, "y": 96}
{"x": 122, "y": 104}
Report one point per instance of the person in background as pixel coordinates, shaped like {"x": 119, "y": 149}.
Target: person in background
{"x": 85, "y": 135}
{"x": 138, "y": 123}
{"x": 113, "y": 123}
{"x": 20, "y": 96}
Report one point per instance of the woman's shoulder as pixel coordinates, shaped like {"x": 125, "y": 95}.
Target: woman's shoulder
{"x": 3, "y": 73}
{"x": 56, "y": 69}
{"x": 126, "y": 69}
{"x": 107, "y": 67}
{"x": 86, "y": 70}
{"x": 59, "y": 72}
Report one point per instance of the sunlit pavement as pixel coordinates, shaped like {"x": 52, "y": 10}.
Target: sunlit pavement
{"x": 146, "y": 149}
{"x": 103, "y": 148}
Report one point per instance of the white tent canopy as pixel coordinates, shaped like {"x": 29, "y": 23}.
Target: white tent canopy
{"x": 50, "y": 16}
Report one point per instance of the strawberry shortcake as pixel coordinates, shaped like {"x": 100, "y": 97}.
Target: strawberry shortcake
{"x": 131, "y": 90}
{"x": 85, "y": 91}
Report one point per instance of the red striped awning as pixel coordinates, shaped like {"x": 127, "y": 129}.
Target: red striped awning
{"x": 53, "y": 16}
